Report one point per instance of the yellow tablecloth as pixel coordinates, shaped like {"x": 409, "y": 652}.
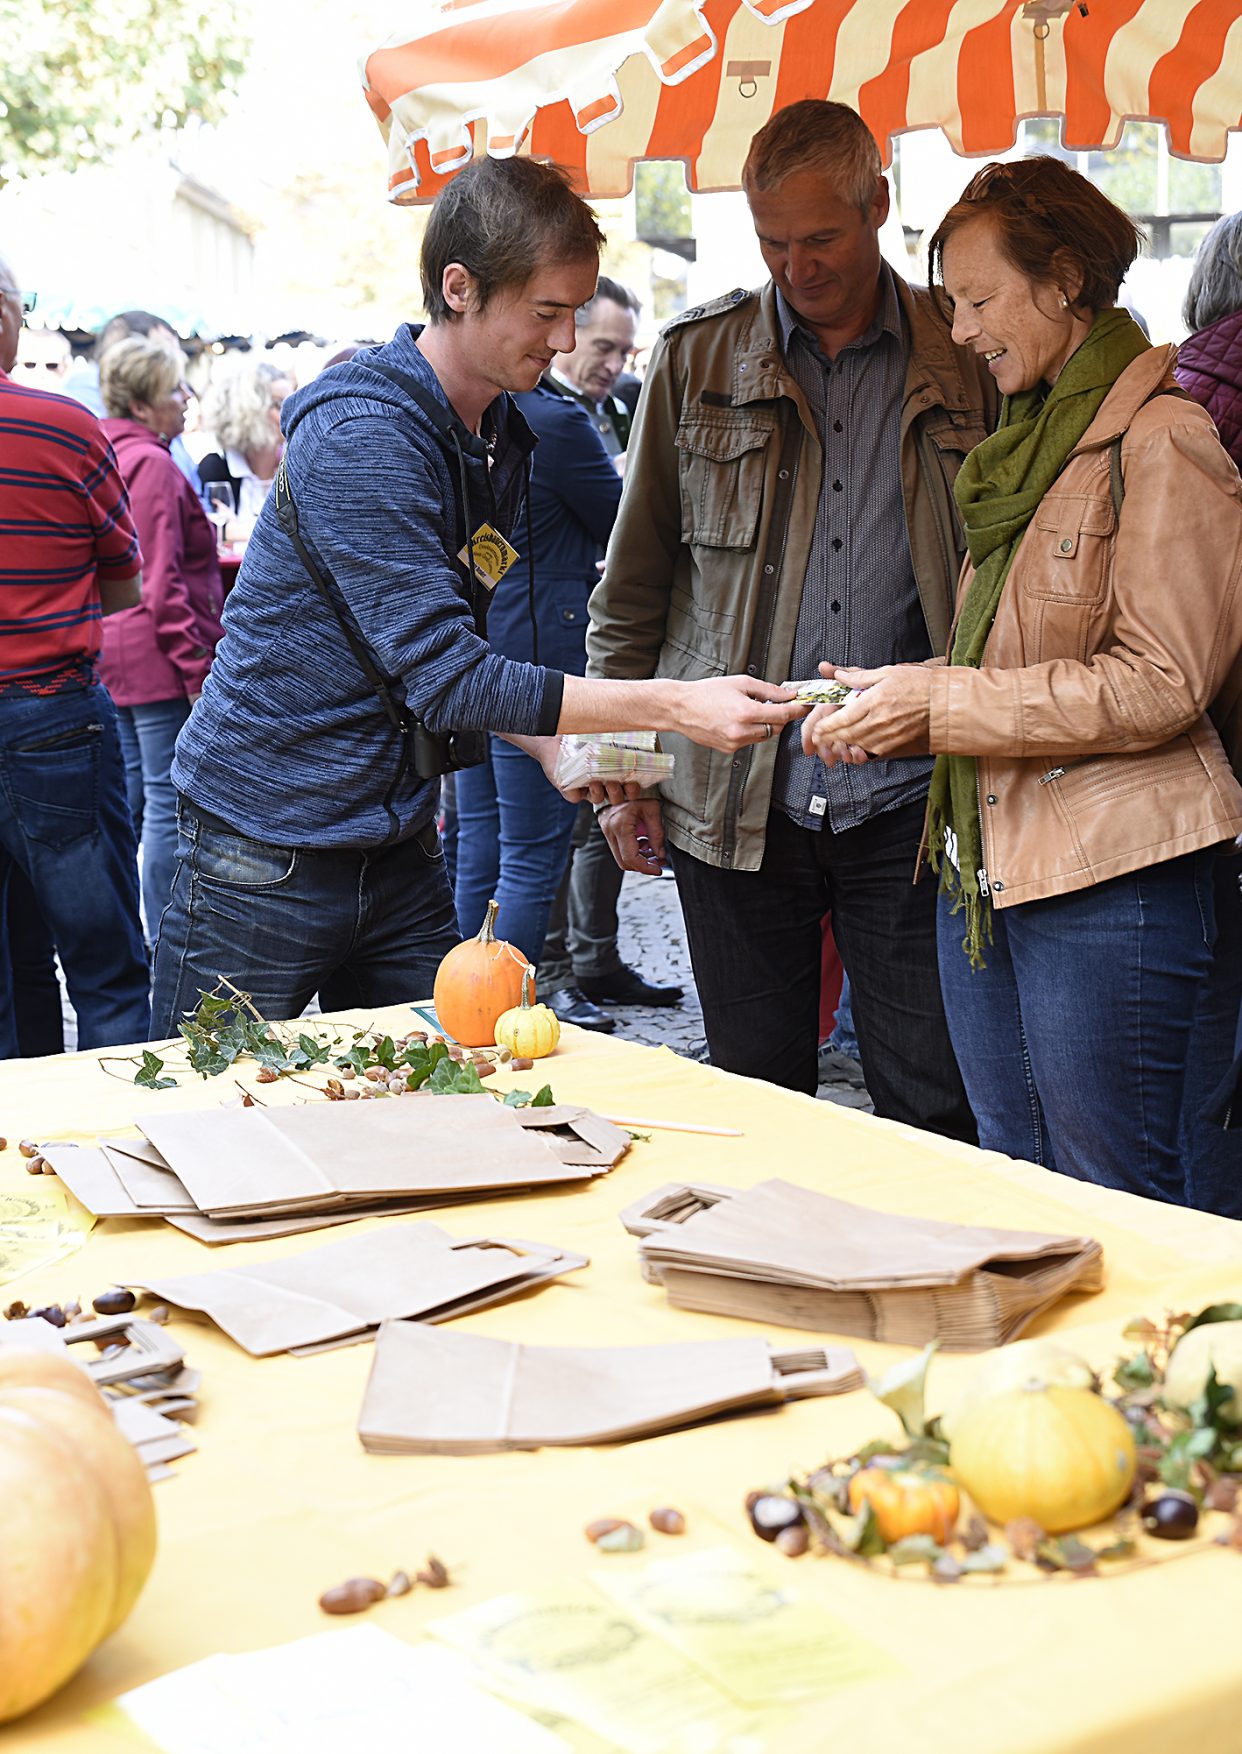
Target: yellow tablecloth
{"x": 280, "y": 1501}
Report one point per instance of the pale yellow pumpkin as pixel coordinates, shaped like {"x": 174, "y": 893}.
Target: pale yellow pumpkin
{"x": 530, "y": 1032}
{"x": 1214, "y": 1346}
{"x": 77, "y": 1525}
{"x": 1062, "y": 1456}
{"x": 1012, "y": 1367}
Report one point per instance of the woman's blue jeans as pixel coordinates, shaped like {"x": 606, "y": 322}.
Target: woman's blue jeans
{"x": 1073, "y": 1039}
{"x": 148, "y": 734}
{"x": 513, "y": 835}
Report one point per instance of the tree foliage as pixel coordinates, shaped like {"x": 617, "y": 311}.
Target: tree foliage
{"x": 81, "y": 78}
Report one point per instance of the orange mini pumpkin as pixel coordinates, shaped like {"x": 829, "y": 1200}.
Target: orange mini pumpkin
{"x": 907, "y": 1502}
{"x": 476, "y": 982}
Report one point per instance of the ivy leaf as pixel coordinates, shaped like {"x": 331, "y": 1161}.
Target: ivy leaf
{"x": 1215, "y": 1312}
{"x": 990, "y": 1557}
{"x": 543, "y": 1097}
{"x": 148, "y": 1074}
{"x": 357, "y": 1057}
{"x": 386, "y": 1054}
{"x": 902, "y": 1390}
{"x": 1135, "y": 1373}
{"x": 1065, "y": 1553}
{"x": 915, "y": 1550}
{"x": 861, "y": 1533}
{"x": 454, "y": 1078}
{"x": 517, "y": 1099}
{"x": 1188, "y": 1447}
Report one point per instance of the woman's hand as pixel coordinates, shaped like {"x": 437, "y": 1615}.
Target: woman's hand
{"x": 892, "y": 715}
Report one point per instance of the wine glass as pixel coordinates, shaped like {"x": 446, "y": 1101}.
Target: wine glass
{"x": 221, "y": 506}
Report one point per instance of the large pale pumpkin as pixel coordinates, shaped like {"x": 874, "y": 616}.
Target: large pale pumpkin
{"x": 1012, "y": 1367}
{"x": 476, "y": 982}
{"x": 77, "y": 1525}
{"x": 1213, "y": 1346}
{"x": 1062, "y": 1456}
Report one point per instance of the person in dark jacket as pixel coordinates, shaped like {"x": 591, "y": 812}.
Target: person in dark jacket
{"x": 1209, "y": 368}
{"x": 309, "y": 860}
{"x": 513, "y": 826}
{"x": 155, "y": 658}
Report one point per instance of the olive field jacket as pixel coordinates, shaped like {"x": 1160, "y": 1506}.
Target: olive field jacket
{"x": 708, "y": 555}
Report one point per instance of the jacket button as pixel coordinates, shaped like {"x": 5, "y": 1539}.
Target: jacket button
{"x": 752, "y": 669}
{"x": 735, "y": 764}
{"x": 782, "y": 475}
{"x": 998, "y": 887}
{"x": 769, "y": 569}
{"x": 1066, "y": 545}
{"x": 991, "y": 797}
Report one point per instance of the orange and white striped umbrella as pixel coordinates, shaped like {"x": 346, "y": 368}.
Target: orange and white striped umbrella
{"x": 597, "y": 84}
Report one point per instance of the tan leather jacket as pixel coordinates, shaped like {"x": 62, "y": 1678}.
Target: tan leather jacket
{"x": 1113, "y": 637}
{"x": 708, "y": 554}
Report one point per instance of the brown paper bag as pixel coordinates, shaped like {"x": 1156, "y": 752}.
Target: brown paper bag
{"x": 435, "y": 1392}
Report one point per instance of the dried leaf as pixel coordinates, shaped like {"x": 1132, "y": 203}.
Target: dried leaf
{"x": 915, "y": 1550}
{"x": 1222, "y": 1495}
{"x": 1065, "y": 1553}
{"x": 434, "y": 1574}
{"x": 947, "y": 1569}
{"x": 974, "y": 1537}
{"x": 903, "y": 1390}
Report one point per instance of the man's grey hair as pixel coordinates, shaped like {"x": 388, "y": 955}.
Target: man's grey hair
{"x": 614, "y": 292}
{"x": 815, "y": 135}
{"x": 1215, "y": 289}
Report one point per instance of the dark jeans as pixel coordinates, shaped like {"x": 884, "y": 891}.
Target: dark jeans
{"x": 284, "y": 923}
{"x": 513, "y": 830}
{"x": 65, "y": 823}
{"x": 1212, "y": 1157}
{"x": 755, "y": 946}
{"x": 148, "y": 733}
{"x": 32, "y": 965}
{"x": 582, "y": 927}
{"x": 1073, "y": 1039}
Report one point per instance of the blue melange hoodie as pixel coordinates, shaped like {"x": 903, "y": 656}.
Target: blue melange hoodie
{"x": 288, "y": 743}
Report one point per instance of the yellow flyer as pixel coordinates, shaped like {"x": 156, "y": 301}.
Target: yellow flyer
{"x": 748, "y": 1633}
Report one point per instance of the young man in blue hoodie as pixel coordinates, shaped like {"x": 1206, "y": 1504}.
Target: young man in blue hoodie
{"x": 309, "y": 860}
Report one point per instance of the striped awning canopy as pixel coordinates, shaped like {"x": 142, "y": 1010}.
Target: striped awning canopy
{"x": 598, "y": 84}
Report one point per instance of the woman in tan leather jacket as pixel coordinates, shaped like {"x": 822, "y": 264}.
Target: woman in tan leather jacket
{"x": 1082, "y": 785}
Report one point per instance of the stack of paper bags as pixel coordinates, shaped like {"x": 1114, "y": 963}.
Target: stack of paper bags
{"x": 782, "y": 1253}
{"x": 228, "y": 1174}
{"x": 611, "y": 755}
{"x": 338, "y": 1293}
{"x": 437, "y": 1393}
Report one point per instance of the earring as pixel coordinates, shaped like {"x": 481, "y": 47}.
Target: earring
{"x": 1064, "y": 302}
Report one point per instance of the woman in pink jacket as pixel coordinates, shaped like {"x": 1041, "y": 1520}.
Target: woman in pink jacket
{"x": 155, "y": 657}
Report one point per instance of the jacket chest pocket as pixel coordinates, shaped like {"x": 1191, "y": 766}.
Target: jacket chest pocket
{"x": 721, "y": 466}
{"x": 1068, "y": 550}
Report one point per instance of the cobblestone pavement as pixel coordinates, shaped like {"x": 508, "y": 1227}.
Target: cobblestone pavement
{"x": 653, "y": 940}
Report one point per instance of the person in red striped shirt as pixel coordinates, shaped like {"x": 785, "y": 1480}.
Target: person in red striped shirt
{"x": 68, "y": 555}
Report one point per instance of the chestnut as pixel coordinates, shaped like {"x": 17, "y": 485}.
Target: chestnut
{"x": 1172, "y": 1516}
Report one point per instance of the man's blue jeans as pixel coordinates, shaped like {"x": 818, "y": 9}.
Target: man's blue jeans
{"x": 65, "y": 822}
{"x": 284, "y": 923}
{"x": 1073, "y": 1039}
{"x": 513, "y": 832}
{"x": 148, "y": 733}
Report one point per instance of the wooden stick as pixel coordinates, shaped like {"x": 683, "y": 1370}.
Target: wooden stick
{"x": 675, "y": 1126}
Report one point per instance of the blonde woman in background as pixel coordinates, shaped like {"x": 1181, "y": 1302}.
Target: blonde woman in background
{"x": 156, "y": 656}
{"x": 242, "y": 410}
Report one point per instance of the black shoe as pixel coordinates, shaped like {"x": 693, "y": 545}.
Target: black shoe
{"x": 572, "y": 1006}
{"x": 627, "y": 987}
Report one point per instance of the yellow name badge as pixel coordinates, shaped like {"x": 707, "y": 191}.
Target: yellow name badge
{"x": 490, "y": 555}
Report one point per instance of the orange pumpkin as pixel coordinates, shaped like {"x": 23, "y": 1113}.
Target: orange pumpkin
{"x": 77, "y": 1526}
{"x": 476, "y": 982}
{"x": 906, "y": 1502}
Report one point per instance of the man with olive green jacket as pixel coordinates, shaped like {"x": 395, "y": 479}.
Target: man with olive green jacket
{"x": 788, "y": 500}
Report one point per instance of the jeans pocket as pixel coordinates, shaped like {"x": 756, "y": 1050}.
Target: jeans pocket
{"x": 234, "y": 861}
{"x": 55, "y": 784}
{"x": 429, "y": 844}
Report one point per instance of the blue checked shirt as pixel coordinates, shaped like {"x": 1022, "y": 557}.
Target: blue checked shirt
{"x": 860, "y": 602}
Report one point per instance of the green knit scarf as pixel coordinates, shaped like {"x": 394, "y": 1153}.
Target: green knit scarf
{"x": 1000, "y": 484}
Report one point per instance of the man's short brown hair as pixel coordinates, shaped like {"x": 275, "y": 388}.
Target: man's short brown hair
{"x": 1051, "y": 224}
{"x": 503, "y": 219}
{"x": 815, "y": 135}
